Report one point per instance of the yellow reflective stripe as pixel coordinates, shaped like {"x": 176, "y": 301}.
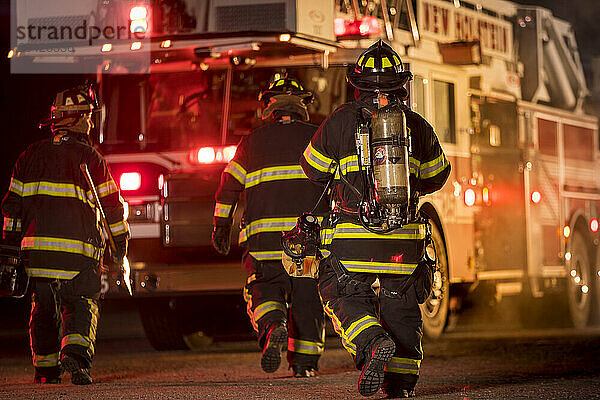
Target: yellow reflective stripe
{"x": 379, "y": 267}
{"x": 347, "y": 165}
{"x": 94, "y": 313}
{"x": 119, "y": 228}
{"x": 396, "y": 59}
{"x": 433, "y": 167}
{"x": 48, "y": 360}
{"x": 360, "y": 60}
{"x": 348, "y": 230}
{"x": 273, "y": 174}
{"x": 266, "y": 307}
{"x": 327, "y": 236}
{"x": 317, "y": 160}
{"x": 325, "y": 252}
{"x": 267, "y": 225}
{"x": 54, "y": 189}
{"x": 370, "y": 62}
{"x": 399, "y": 365}
{"x": 77, "y": 339}
{"x": 266, "y": 255}
{"x": 11, "y": 224}
{"x": 60, "y": 244}
{"x": 357, "y": 327}
{"x": 237, "y": 171}
{"x": 248, "y": 300}
{"x": 50, "y": 273}
{"x": 413, "y": 165}
{"x": 385, "y": 62}
{"x": 305, "y": 346}
{"x": 106, "y": 188}
{"x": 16, "y": 186}
{"x": 223, "y": 210}
{"x": 337, "y": 326}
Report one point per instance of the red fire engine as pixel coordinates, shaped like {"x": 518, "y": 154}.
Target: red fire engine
{"x": 501, "y": 83}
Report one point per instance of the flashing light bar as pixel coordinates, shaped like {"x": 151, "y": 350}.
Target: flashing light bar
{"x": 136, "y": 46}
{"x": 165, "y": 44}
{"x": 106, "y": 47}
{"x": 138, "y": 17}
{"x": 285, "y": 37}
{"x": 366, "y": 26}
{"x": 469, "y": 197}
{"x": 130, "y": 181}
{"x": 209, "y": 155}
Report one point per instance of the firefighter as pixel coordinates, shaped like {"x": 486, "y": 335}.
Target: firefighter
{"x": 48, "y": 211}
{"x": 283, "y": 310}
{"x": 361, "y": 280}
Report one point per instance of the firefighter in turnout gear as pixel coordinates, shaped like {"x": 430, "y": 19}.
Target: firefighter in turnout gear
{"x": 361, "y": 282}
{"x": 283, "y": 310}
{"x": 49, "y": 211}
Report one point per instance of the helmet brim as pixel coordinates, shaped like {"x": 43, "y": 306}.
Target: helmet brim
{"x": 379, "y": 82}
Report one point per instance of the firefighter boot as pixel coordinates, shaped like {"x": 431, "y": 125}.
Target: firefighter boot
{"x": 79, "y": 375}
{"x": 372, "y": 374}
{"x": 301, "y": 371}
{"x": 276, "y": 339}
{"x": 47, "y": 375}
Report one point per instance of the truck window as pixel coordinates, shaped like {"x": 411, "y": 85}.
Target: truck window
{"x": 418, "y": 95}
{"x": 184, "y": 110}
{"x": 444, "y": 109}
{"x": 163, "y": 112}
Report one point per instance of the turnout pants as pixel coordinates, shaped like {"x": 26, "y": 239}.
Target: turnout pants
{"x": 273, "y": 297}
{"x": 360, "y": 314}
{"x": 64, "y": 317}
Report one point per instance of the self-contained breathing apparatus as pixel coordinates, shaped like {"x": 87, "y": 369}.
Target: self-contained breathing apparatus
{"x": 383, "y": 146}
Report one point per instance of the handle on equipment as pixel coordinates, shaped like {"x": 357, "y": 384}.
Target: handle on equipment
{"x": 105, "y": 225}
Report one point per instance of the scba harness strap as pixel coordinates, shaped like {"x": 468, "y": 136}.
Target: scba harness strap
{"x": 421, "y": 278}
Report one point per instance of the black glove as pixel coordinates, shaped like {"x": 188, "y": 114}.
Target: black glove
{"x": 221, "y": 238}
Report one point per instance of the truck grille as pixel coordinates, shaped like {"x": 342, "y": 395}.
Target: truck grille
{"x": 257, "y": 17}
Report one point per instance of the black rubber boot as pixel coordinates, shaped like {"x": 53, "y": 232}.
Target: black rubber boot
{"x": 79, "y": 375}
{"x": 53, "y": 380}
{"x": 371, "y": 377}
{"x": 399, "y": 393}
{"x": 301, "y": 371}
{"x": 271, "y": 357}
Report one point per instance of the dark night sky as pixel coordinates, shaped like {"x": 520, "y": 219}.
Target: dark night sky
{"x": 25, "y": 99}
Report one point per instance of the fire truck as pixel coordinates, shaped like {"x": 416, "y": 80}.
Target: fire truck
{"x": 501, "y": 83}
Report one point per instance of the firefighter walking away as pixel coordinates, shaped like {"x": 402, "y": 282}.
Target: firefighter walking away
{"x": 49, "y": 212}
{"x": 382, "y": 157}
{"x": 284, "y": 311}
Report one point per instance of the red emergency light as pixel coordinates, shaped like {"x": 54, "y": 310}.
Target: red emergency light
{"x": 594, "y": 225}
{"x": 209, "y": 155}
{"x": 130, "y": 181}
{"x": 366, "y": 26}
{"x": 138, "y": 19}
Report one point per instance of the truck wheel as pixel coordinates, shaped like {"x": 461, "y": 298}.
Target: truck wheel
{"x": 579, "y": 281}
{"x": 435, "y": 309}
{"x": 161, "y": 323}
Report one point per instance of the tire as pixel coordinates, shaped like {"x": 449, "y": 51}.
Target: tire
{"x": 161, "y": 323}
{"x": 435, "y": 310}
{"x": 580, "y": 281}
